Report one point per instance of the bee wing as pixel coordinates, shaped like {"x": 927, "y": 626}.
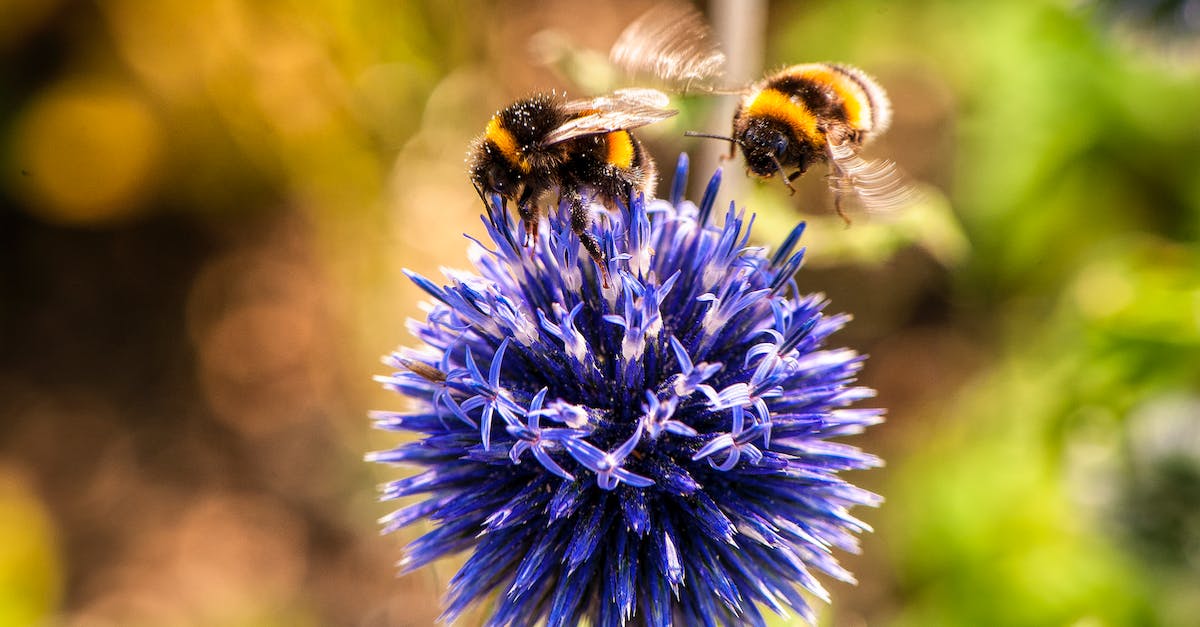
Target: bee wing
{"x": 672, "y": 42}
{"x": 878, "y": 184}
{"x": 630, "y": 98}
{"x": 622, "y": 110}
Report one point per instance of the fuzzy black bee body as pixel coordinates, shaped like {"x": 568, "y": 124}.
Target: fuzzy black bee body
{"x": 545, "y": 143}
{"x": 795, "y": 117}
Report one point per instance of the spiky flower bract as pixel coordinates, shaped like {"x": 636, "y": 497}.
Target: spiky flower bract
{"x": 656, "y": 451}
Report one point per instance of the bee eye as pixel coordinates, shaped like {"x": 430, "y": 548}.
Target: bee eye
{"x": 498, "y": 181}
{"x": 780, "y": 145}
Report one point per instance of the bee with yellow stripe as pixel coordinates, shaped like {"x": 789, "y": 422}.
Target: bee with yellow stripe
{"x": 786, "y": 122}
{"x": 544, "y": 143}
{"x": 819, "y": 112}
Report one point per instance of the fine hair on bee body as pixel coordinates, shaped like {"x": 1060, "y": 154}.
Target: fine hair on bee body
{"x": 546, "y": 143}
{"x": 787, "y": 121}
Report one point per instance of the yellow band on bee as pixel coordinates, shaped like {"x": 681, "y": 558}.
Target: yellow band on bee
{"x": 777, "y": 105}
{"x": 853, "y": 96}
{"x": 506, "y": 143}
{"x": 620, "y": 149}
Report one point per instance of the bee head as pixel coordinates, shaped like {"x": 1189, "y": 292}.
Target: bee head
{"x": 493, "y": 173}
{"x": 507, "y": 159}
{"x": 496, "y": 177}
{"x": 770, "y": 145}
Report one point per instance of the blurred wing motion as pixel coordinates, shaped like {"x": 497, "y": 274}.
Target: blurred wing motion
{"x": 622, "y": 110}
{"x": 629, "y": 98}
{"x": 878, "y": 184}
{"x": 671, "y": 42}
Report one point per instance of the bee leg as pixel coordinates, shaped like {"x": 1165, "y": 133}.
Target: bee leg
{"x": 837, "y": 206}
{"x": 730, "y": 155}
{"x": 787, "y": 179}
{"x": 529, "y": 219}
{"x": 580, "y": 220}
{"x": 839, "y": 181}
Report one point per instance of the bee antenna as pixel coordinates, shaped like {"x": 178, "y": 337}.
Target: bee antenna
{"x": 710, "y": 136}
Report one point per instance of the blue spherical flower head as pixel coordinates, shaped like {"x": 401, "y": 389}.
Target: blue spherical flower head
{"x": 652, "y": 452}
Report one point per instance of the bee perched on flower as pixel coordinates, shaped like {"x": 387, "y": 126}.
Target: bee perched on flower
{"x": 658, "y": 452}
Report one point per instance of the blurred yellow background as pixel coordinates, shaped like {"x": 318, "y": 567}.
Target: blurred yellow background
{"x": 205, "y": 206}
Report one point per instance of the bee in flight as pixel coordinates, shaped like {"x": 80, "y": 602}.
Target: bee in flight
{"x": 546, "y": 142}
{"x": 784, "y": 123}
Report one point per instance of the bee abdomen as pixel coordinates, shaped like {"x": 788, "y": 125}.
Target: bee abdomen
{"x": 838, "y": 95}
{"x": 621, "y": 150}
{"x": 871, "y": 96}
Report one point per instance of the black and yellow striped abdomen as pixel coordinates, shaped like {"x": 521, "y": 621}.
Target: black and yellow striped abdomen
{"x": 790, "y": 118}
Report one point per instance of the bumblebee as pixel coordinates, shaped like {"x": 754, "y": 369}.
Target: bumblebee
{"x": 817, "y": 112}
{"x": 784, "y": 123}
{"x": 546, "y": 142}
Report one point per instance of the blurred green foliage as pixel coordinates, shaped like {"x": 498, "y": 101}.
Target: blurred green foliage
{"x": 1076, "y": 159}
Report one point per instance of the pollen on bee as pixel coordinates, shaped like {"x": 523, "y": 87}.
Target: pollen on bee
{"x": 620, "y": 149}
{"x": 504, "y": 141}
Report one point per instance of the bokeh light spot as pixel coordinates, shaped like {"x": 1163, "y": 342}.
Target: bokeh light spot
{"x": 86, "y": 153}
{"x": 1103, "y": 291}
{"x": 29, "y": 569}
{"x": 19, "y": 18}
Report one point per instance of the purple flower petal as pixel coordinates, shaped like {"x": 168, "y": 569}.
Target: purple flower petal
{"x": 697, "y": 390}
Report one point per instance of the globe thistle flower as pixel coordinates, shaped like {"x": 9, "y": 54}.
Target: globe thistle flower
{"x": 652, "y": 452}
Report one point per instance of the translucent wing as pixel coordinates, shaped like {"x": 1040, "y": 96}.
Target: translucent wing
{"x": 632, "y": 97}
{"x": 878, "y": 184}
{"x": 622, "y": 110}
{"x": 671, "y": 42}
